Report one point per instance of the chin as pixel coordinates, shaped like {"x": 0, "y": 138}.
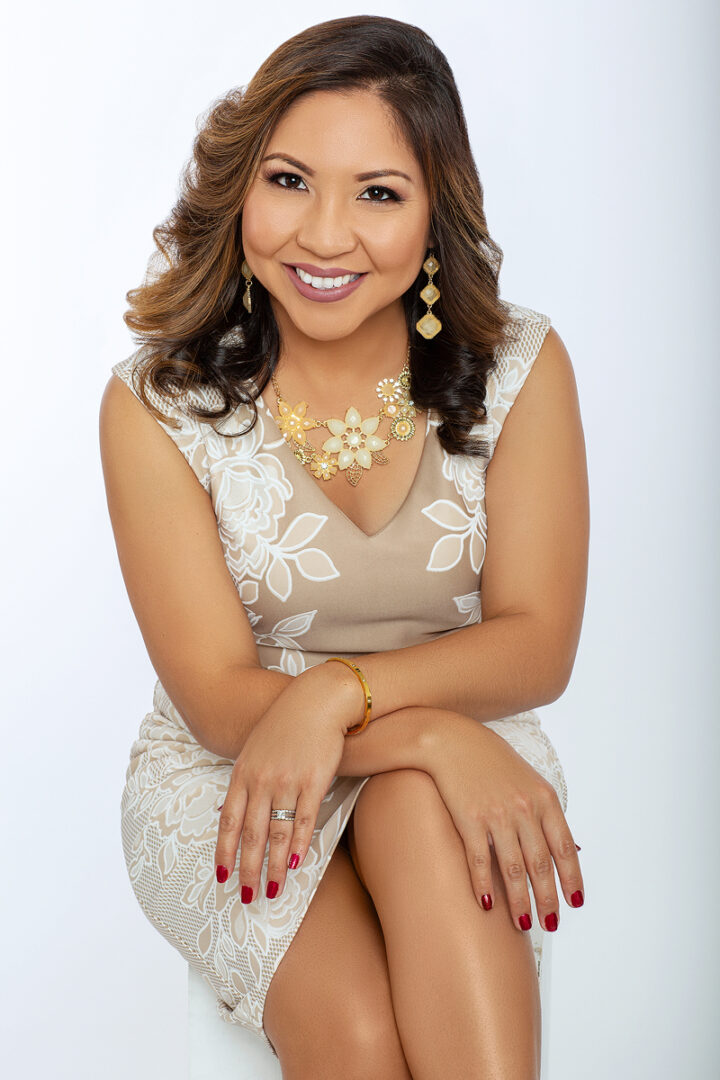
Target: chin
{"x": 335, "y": 332}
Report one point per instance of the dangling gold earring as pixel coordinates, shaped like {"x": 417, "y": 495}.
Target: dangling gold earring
{"x": 429, "y": 325}
{"x": 247, "y": 298}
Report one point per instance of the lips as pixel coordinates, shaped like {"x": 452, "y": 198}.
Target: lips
{"x": 323, "y": 295}
{"x": 323, "y": 271}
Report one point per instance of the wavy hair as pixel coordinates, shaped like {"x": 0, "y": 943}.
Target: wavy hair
{"x": 188, "y": 313}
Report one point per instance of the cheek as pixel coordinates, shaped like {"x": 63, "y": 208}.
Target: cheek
{"x": 399, "y": 251}
{"x": 264, "y": 227}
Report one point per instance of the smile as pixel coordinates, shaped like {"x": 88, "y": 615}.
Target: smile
{"x": 324, "y": 289}
{"x": 325, "y": 282}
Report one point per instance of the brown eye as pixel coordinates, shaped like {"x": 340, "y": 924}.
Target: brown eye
{"x": 392, "y": 196}
{"x": 274, "y": 178}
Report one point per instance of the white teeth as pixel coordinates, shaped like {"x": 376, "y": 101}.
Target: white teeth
{"x": 325, "y": 282}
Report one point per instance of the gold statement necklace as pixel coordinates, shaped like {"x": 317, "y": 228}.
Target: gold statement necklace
{"x": 353, "y": 445}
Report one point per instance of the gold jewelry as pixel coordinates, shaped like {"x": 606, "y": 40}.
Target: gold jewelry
{"x": 247, "y": 298}
{"x": 429, "y": 325}
{"x": 353, "y": 439}
{"x": 357, "y": 728}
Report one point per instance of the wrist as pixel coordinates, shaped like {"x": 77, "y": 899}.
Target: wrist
{"x": 339, "y": 686}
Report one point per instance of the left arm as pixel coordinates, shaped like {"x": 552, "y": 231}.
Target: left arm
{"x": 534, "y": 574}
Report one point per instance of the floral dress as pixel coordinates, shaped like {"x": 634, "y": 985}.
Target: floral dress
{"x": 313, "y": 585}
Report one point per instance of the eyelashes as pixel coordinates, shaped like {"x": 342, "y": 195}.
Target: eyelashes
{"x": 274, "y": 177}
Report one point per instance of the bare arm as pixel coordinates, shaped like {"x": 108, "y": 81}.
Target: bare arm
{"x": 534, "y": 574}
{"x": 193, "y": 622}
{"x": 199, "y": 638}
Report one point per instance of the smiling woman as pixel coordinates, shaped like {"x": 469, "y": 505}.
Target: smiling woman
{"x": 327, "y": 211}
{"x": 328, "y": 266}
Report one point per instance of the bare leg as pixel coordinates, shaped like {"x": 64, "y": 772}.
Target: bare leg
{"x": 328, "y": 1010}
{"x": 464, "y": 983}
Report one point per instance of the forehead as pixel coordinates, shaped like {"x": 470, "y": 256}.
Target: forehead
{"x": 331, "y": 129}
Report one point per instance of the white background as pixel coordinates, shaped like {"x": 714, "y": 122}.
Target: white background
{"x": 596, "y": 141}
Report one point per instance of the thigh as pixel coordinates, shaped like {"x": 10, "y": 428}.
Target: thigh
{"x": 421, "y": 853}
{"x": 328, "y": 1009}
{"x": 436, "y": 934}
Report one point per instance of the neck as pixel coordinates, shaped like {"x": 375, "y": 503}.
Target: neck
{"x": 345, "y": 370}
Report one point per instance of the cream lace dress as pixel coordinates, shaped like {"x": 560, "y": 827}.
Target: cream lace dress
{"x": 313, "y": 585}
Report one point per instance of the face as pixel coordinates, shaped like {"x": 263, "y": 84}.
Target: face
{"x": 319, "y": 204}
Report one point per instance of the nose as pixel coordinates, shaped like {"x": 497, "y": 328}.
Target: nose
{"x": 325, "y": 228}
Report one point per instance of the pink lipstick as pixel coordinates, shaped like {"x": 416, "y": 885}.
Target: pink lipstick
{"x": 323, "y": 296}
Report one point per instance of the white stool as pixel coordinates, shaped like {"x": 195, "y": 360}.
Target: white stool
{"x": 222, "y": 1051}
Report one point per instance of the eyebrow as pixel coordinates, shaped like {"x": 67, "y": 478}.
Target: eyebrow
{"x": 359, "y": 176}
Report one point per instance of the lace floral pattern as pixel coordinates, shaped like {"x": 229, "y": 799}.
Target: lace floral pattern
{"x": 313, "y": 585}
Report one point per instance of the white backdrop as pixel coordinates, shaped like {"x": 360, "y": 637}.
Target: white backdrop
{"x": 596, "y": 141}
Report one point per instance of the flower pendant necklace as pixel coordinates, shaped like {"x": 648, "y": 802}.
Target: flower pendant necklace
{"x": 353, "y": 445}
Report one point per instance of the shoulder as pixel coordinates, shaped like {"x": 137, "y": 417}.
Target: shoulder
{"x": 533, "y": 373}
{"x": 535, "y": 409}
{"x": 128, "y": 424}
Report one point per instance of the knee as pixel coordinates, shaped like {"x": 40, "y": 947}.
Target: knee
{"x": 402, "y": 801}
{"x": 370, "y": 1039}
{"x": 354, "y": 1039}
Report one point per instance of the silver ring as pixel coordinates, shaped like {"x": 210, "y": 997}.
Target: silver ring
{"x": 282, "y": 815}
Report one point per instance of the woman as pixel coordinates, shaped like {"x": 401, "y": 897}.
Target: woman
{"x": 345, "y": 851}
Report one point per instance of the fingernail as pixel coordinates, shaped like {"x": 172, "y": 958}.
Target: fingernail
{"x": 221, "y": 873}
{"x": 487, "y": 901}
{"x": 578, "y": 847}
{"x": 525, "y": 922}
{"x": 246, "y": 894}
{"x": 294, "y": 860}
{"x": 551, "y": 921}
{"x": 221, "y": 806}
{"x": 577, "y": 899}
{"x": 272, "y": 888}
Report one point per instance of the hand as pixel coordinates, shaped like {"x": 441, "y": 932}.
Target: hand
{"x": 288, "y": 761}
{"x": 496, "y": 797}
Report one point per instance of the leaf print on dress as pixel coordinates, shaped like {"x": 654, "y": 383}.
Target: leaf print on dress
{"x": 448, "y": 550}
{"x": 174, "y": 787}
{"x": 250, "y": 495}
{"x": 470, "y": 602}
{"x": 285, "y": 632}
{"x": 313, "y": 563}
{"x": 283, "y": 635}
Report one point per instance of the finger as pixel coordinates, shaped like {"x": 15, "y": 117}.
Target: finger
{"x": 514, "y": 872}
{"x": 477, "y": 851}
{"x": 280, "y": 835}
{"x": 540, "y": 867}
{"x": 563, "y": 850}
{"x": 306, "y": 812}
{"x": 253, "y": 843}
{"x": 229, "y": 829}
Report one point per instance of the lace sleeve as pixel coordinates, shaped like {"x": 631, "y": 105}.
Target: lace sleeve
{"x": 514, "y": 363}
{"x": 187, "y": 436}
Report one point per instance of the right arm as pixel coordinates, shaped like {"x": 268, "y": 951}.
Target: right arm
{"x": 202, "y": 647}
{"x": 193, "y": 622}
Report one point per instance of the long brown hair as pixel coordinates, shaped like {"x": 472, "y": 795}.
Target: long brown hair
{"x": 188, "y": 313}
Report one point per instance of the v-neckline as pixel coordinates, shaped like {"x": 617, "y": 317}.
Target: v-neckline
{"x": 333, "y": 508}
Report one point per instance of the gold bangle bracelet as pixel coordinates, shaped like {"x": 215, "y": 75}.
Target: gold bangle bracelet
{"x": 357, "y": 728}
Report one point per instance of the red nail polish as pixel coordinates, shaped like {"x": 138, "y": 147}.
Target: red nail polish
{"x": 246, "y": 894}
{"x": 487, "y": 901}
{"x": 578, "y": 847}
{"x": 525, "y": 922}
{"x": 221, "y": 873}
{"x": 551, "y": 921}
{"x": 294, "y": 860}
{"x": 221, "y": 806}
{"x": 272, "y": 888}
{"x": 577, "y": 899}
